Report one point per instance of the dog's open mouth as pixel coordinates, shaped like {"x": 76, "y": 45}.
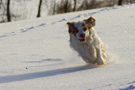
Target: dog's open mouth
{"x": 83, "y": 39}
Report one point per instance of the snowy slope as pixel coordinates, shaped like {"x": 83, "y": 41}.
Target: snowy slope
{"x": 35, "y": 54}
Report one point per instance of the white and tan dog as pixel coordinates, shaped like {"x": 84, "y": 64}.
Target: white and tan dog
{"x": 86, "y": 42}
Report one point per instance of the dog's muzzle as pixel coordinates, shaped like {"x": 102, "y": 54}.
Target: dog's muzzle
{"x": 83, "y": 37}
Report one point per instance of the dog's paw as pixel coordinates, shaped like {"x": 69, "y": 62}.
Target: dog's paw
{"x": 101, "y": 62}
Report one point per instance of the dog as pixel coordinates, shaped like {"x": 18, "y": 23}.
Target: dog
{"x": 86, "y": 42}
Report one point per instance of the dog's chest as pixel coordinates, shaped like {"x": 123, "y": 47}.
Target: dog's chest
{"x": 84, "y": 49}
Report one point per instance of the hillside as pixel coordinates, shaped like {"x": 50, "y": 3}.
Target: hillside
{"x": 35, "y": 54}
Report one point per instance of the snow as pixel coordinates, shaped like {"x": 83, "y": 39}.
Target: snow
{"x": 35, "y": 54}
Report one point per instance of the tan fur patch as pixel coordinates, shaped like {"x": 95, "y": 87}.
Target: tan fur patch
{"x": 90, "y": 22}
{"x": 71, "y": 28}
{"x": 86, "y": 27}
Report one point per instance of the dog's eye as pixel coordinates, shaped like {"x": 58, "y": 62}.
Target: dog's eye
{"x": 84, "y": 29}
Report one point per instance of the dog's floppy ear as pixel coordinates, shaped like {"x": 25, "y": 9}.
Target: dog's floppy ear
{"x": 91, "y": 22}
{"x": 70, "y": 26}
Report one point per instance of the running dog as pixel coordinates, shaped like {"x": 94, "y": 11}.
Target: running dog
{"x": 86, "y": 42}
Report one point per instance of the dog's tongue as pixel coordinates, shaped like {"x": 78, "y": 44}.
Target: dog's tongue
{"x": 82, "y": 40}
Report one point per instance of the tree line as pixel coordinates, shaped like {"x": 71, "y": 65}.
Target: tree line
{"x": 65, "y": 6}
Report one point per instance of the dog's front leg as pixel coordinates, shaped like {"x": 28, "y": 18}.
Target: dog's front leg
{"x": 100, "y": 58}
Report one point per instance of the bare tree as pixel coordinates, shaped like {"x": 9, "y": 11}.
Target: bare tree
{"x": 8, "y": 11}
{"x": 66, "y": 6}
{"x": 74, "y": 9}
{"x": 120, "y": 2}
{"x": 131, "y": 1}
{"x": 39, "y": 8}
{"x": 0, "y": 1}
{"x": 54, "y": 6}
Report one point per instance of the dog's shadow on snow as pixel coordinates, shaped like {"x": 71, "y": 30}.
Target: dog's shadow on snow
{"x": 28, "y": 76}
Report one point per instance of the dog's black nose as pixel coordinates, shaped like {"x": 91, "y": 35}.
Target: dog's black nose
{"x": 82, "y": 35}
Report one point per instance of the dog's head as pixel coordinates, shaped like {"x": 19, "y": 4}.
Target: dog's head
{"x": 81, "y": 29}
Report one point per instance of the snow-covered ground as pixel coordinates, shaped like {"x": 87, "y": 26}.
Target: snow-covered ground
{"x": 35, "y": 54}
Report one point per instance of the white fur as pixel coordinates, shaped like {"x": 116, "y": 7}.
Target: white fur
{"x": 80, "y": 28}
{"x": 90, "y": 50}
